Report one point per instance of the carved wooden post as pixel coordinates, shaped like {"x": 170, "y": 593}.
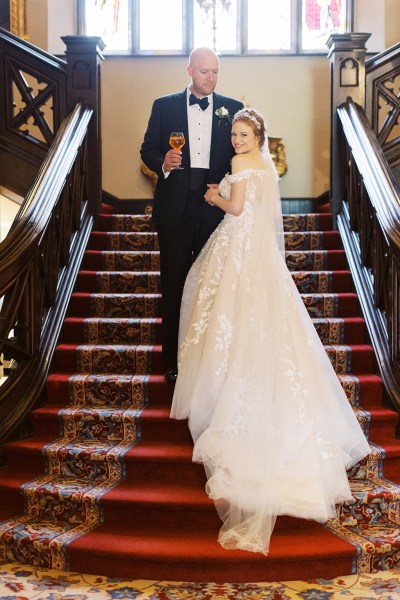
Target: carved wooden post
{"x": 83, "y": 85}
{"x": 347, "y": 57}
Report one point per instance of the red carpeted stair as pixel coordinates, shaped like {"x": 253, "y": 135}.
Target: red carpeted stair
{"x": 106, "y": 485}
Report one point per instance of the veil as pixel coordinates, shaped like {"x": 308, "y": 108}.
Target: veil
{"x": 270, "y": 194}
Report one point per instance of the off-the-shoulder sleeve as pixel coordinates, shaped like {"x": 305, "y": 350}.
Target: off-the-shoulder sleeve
{"x": 244, "y": 174}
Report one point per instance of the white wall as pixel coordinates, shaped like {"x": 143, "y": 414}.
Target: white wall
{"x": 9, "y": 206}
{"x": 37, "y": 23}
{"x": 392, "y": 22}
{"x": 292, "y": 93}
{"x": 369, "y": 16}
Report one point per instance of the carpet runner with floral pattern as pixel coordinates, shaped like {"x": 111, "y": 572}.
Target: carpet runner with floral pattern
{"x": 106, "y": 484}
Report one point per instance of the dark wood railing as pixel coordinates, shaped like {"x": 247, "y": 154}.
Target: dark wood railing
{"x": 364, "y": 189}
{"x": 369, "y": 223}
{"x": 50, "y": 153}
{"x": 33, "y": 104}
{"x": 38, "y": 91}
{"x": 382, "y": 102}
{"x": 39, "y": 260}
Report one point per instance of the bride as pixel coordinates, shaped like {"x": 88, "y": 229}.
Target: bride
{"x": 268, "y": 416}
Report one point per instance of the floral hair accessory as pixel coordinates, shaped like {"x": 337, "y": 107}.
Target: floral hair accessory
{"x": 223, "y": 114}
{"x": 244, "y": 114}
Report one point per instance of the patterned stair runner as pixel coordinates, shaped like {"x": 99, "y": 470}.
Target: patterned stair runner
{"x": 106, "y": 484}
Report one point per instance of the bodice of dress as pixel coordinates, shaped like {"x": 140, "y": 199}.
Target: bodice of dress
{"x": 250, "y": 174}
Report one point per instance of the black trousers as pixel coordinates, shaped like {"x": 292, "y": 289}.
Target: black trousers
{"x": 179, "y": 247}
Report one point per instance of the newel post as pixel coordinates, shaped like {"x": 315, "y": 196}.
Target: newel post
{"x": 84, "y": 57}
{"x": 347, "y": 64}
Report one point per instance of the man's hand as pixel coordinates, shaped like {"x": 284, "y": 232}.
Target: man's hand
{"x": 172, "y": 159}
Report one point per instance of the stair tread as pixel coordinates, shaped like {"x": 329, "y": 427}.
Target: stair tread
{"x": 73, "y": 346}
{"x": 113, "y": 294}
{"x": 69, "y": 346}
{"x": 157, "y": 320}
{"x": 139, "y": 252}
{"x": 143, "y": 448}
{"x": 162, "y": 413}
{"x": 147, "y": 412}
{"x": 187, "y": 547}
{"x": 160, "y": 493}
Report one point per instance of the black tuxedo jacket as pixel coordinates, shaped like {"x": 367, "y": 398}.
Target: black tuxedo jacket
{"x": 169, "y": 113}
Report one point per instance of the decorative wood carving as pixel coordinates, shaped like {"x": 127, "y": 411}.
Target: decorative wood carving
{"x": 383, "y": 101}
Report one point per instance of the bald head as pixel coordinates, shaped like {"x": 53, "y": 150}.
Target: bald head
{"x": 203, "y": 70}
{"x": 199, "y": 54}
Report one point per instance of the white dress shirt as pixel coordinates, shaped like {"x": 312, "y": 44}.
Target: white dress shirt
{"x": 199, "y": 125}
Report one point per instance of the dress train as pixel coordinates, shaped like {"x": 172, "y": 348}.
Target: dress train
{"x": 268, "y": 416}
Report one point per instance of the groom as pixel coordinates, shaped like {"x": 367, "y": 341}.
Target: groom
{"x": 184, "y": 221}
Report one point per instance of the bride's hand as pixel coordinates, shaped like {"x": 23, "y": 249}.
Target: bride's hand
{"x": 211, "y": 192}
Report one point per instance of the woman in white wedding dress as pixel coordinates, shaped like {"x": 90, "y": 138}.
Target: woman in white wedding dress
{"x": 268, "y": 416}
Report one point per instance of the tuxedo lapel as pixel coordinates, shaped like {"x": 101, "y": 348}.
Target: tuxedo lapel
{"x": 218, "y": 126}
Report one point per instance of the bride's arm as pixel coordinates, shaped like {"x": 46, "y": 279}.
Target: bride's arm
{"x": 235, "y": 204}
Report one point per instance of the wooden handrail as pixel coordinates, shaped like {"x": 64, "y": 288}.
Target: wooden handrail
{"x": 39, "y": 261}
{"x": 50, "y": 154}
{"x": 369, "y": 223}
{"x": 383, "y": 58}
{"x": 38, "y": 206}
{"x": 379, "y": 180}
{"x": 17, "y": 42}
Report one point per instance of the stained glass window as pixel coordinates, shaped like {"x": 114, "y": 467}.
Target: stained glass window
{"x": 215, "y": 25}
{"x": 229, "y": 26}
{"x": 110, "y": 20}
{"x": 320, "y": 18}
{"x": 269, "y": 24}
{"x": 161, "y": 25}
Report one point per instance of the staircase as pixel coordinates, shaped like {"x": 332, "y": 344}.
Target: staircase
{"x": 106, "y": 484}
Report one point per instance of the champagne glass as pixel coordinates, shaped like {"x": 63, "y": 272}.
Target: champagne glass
{"x": 177, "y": 141}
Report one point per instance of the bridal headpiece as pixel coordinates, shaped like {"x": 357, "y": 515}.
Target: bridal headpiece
{"x": 245, "y": 114}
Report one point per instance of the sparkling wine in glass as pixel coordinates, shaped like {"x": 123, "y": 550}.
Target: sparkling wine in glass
{"x": 177, "y": 141}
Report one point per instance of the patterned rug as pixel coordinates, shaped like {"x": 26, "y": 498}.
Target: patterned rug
{"x": 28, "y": 583}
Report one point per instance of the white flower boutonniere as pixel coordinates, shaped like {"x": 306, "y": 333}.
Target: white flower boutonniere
{"x": 223, "y": 114}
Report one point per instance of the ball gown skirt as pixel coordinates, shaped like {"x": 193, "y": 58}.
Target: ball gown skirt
{"x": 268, "y": 416}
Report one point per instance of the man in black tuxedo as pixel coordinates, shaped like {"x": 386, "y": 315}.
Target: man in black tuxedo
{"x": 184, "y": 221}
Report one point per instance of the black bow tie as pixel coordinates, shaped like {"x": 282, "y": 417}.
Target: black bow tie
{"x": 202, "y": 102}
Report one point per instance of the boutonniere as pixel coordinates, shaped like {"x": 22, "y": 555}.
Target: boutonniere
{"x": 223, "y": 114}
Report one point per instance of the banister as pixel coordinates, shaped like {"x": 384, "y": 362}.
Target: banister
{"x": 377, "y": 175}
{"x": 369, "y": 223}
{"x": 39, "y": 262}
{"x": 50, "y": 153}
{"x": 18, "y": 43}
{"x": 38, "y": 205}
{"x": 383, "y": 58}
